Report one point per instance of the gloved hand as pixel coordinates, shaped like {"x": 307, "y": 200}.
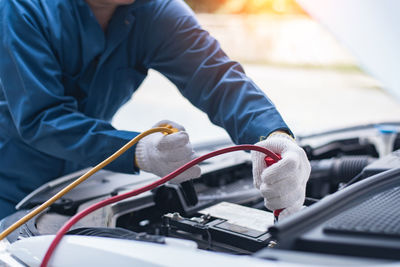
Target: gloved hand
{"x": 161, "y": 154}
{"x": 282, "y": 184}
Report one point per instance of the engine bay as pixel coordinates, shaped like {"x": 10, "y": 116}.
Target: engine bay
{"x": 351, "y": 207}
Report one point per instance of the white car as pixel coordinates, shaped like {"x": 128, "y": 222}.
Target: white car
{"x": 352, "y": 214}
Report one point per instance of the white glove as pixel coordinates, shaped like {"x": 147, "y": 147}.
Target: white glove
{"x": 161, "y": 154}
{"x": 282, "y": 184}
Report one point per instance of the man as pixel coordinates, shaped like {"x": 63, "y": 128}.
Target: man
{"x": 66, "y": 66}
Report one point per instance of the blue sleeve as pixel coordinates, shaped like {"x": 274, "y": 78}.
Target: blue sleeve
{"x": 46, "y": 118}
{"x": 193, "y": 60}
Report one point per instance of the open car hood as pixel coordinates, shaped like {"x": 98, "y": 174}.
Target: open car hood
{"x": 369, "y": 29}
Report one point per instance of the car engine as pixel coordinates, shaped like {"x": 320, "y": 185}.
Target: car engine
{"x": 351, "y": 207}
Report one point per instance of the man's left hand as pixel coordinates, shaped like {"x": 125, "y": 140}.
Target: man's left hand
{"x": 282, "y": 184}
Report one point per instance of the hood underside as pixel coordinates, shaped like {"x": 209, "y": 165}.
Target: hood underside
{"x": 368, "y": 28}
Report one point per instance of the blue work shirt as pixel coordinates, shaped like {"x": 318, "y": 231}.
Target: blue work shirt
{"x": 62, "y": 79}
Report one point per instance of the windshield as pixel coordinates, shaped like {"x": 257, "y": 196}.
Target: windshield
{"x": 313, "y": 79}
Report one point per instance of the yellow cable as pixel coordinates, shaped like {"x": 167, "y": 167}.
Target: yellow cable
{"x": 72, "y": 185}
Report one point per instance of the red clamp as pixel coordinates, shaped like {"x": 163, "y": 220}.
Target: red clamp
{"x": 269, "y": 161}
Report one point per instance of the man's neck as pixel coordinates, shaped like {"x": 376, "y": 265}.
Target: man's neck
{"x": 102, "y": 12}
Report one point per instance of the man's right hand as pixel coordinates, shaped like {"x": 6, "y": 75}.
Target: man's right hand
{"x": 161, "y": 154}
